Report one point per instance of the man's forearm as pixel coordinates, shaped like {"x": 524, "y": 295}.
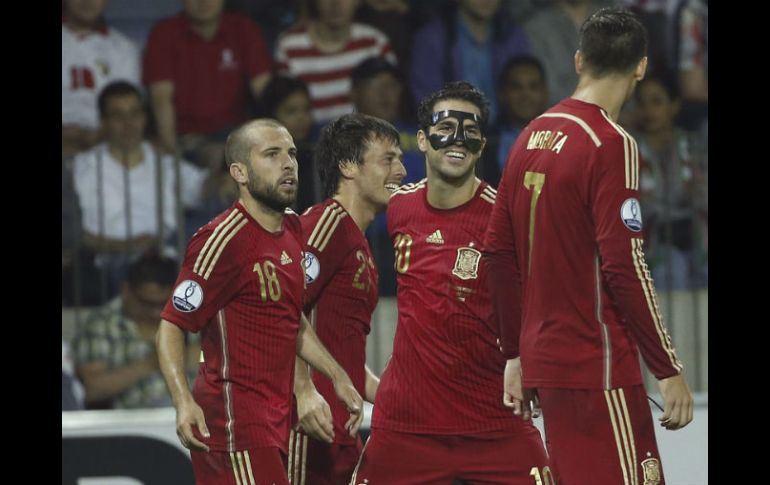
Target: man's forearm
{"x": 312, "y": 351}
{"x": 171, "y": 353}
{"x": 302, "y": 380}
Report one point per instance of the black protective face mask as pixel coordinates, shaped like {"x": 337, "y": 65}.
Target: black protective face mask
{"x": 438, "y": 141}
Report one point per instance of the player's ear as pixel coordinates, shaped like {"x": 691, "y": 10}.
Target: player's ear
{"x": 578, "y": 62}
{"x": 348, "y": 168}
{"x": 422, "y": 141}
{"x": 239, "y": 173}
{"x": 641, "y": 69}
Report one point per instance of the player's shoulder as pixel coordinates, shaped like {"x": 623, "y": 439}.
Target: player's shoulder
{"x": 323, "y": 223}
{"x": 292, "y": 220}
{"x": 218, "y": 246}
{"x": 598, "y": 128}
{"x": 487, "y": 193}
{"x": 408, "y": 192}
{"x": 223, "y": 229}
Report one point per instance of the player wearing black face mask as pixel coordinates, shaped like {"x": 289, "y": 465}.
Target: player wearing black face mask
{"x": 438, "y": 141}
{"x": 439, "y": 398}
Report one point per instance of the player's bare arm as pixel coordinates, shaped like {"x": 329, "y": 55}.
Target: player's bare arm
{"x": 171, "y": 353}
{"x": 312, "y": 351}
{"x": 313, "y": 411}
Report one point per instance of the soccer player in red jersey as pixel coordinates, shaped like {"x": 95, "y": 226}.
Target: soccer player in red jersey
{"x": 242, "y": 285}
{"x": 568, "y": 276}
{"x": 438, "y": 415}
{"x": 359, "y": 161}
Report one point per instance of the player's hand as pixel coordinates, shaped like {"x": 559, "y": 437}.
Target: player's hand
{"x": 189, "y": 414}
{"x": 352, "y": 399}
{"x": 522, "y": 401}
{"x": 315, "y": 416}
{"x": 678, "y": 404}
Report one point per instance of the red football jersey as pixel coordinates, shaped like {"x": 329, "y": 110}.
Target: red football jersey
{"x": 342, "y": 292}
{"x": 242, "y": 287}
{"x": 446, "y": 372}
{"x": 565, "y": 241}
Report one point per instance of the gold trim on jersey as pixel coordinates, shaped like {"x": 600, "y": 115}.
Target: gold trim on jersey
{"x": 627, "y": 416}
{"x": 489, "y": 194}
{"x": 360, "y": 458}
{"x": 577, "y": 120}
{"x": 606, "y": 340}
{"x": 327, "y": 223}
{"x": 248, "y": 466}
{"x": 241, "y": 468}
{"x": 290, "y": 465}
{"x": 222, "y": 248}
{"x": 215, "y": 244}
{"x": 626, "y": 433}
{"x": 630, "y": 152}
{"x": 235, "y": 468}
{"x": 652, "y": 301}
{"x": 619, "y": 442}
{"x": 214, "y": 237}
{"x": 297, "y": 466}
{"x": 410, "y": 188}
{"x": 229, "y": 425}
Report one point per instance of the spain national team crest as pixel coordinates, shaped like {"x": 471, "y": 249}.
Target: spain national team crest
{"x": 651, "y": 469}
{"x": 467, "y": 264}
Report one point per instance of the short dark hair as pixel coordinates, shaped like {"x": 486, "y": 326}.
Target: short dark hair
{"x": 152, "y": 267}
{"x": 612, "y": 40}
{"x": 346, "y": 139}
{"x": 517, "y": 61}
{"x": 239, "y": 142}
{"x": 118, "y": 88}
{"x": 278, "y": 89}
{"x": 372, "y": 66}
{"x": 452, "y": 90}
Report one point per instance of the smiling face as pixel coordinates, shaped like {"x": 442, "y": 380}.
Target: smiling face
{"x": 381, "y": 172}
{"x": 272, "y": 168}
{"x": 456, "y": 161}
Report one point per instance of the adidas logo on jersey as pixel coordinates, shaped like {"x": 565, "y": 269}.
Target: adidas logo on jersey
{"x": 285, "y": 259}
{"x": 435, "y": 238}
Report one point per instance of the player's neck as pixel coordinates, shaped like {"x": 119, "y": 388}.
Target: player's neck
{"x": 609, "y": 92}
{"x": 359, "y": 209}
{"x": 448, "y": 194}
{"x": 269, "y": 219}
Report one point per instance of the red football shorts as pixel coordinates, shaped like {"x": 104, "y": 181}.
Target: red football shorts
{"x": 398, "y": 458}
{"x": 600, "y": 437}
{"x": 255, "y": 466}
{"x": 313, "y": 462}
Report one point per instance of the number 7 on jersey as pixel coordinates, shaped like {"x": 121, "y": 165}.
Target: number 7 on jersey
{"x": 534, "y": 181}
